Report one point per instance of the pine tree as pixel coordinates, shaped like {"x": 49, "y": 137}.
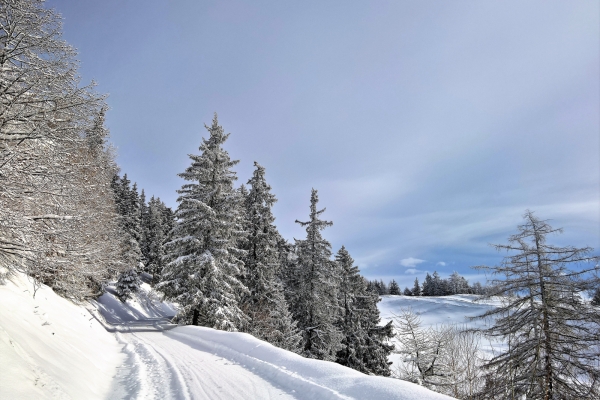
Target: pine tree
{"x": 265, "y": 303}
{"x": 394, "y": 289}
{"x": 315, "y": 301}
{"x": 552, "y": 333}
{"x": 157, "y": 234}
{"x": 144, "y": 227}
{"x": 128, "y": 284}
{"x": 416, "y": 291}
{"x": 364, "y": 342}
{"x": 428, "y": 286}
{"x": 204, "y": 266}
{"x": 377, "y": 346}
{"x": 407, "y": 291}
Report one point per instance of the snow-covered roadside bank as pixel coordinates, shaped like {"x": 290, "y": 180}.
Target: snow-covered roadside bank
{"x": 52, "y": 348}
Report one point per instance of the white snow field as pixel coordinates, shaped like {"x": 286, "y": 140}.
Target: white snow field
{"x": 52, "y": 348}
{"x": 441, "y": 310}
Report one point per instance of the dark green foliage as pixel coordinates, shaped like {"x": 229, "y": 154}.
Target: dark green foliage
{"x": 394, "y": 289}
{"x": 365, "y": 344}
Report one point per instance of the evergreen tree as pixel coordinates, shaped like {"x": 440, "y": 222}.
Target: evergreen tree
{"x": 377, "y": 346}
{"x": 157, "y": 234}
{"x": 383, "y": 289}
{"x": 416, "y": 291}
{"x": 407, "y": 291}
{"x": 204, "y": 266}
{"x": 128, "y": 284}
{"x": 144, "y": 227}
{"x": 428, "y": 286}
{"x": 315, "y": 299}
{"x": 265, "y": 303}
{"x": 364, "y": 343}
{"x": 438, "y": 287}
{"x": 394, "y": 289}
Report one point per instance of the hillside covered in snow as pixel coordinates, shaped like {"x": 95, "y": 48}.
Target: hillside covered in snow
{"x": 52, "y": 348}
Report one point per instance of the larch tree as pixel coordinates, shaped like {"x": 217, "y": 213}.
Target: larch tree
{"x": 314, "y": 303}
{"x": 553, "y": 333}
{"x": 265, "y": 303}
{"x": 203, "y": 263}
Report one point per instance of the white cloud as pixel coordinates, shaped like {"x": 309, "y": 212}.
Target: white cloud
{"x": 412, "y": 271}
{"x": 441, "y": 264}
{"x": 411, "y": 262}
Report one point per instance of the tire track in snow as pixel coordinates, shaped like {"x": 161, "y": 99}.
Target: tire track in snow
{"x": 147, "y": 374}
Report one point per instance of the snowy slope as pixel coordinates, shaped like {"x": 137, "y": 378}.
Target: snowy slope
{"x": 52, "y": 348}
{"x": 441, "y": 310}
{"x": 438, "y": 310}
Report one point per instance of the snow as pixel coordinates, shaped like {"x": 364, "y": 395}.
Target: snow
{"x": 57, "y": 349}
{"x": 442, "y": 310}
{"x": 438, "y": 310}
{"x": 52, "y": 348}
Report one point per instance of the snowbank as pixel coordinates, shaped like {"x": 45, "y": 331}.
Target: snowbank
{"x": 52, "y": 348}
{"x": 305, "y": 378}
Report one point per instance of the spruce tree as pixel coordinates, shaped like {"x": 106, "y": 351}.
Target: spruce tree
{"x": 157, "y": 232}
{"x": 407, "y": 291}
{"x": 394, "y": 289}
{"x": 315, "y": 299}
{"x": 428, "y": 286}
{"x": 364, "y": 342}
{"x": 128, "y": 284}
{"x": 265, "y": 303}
{"x": 416, "y": 290}
{"x": 204, "y": 265}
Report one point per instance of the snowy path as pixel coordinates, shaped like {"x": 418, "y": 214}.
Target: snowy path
{"x": 168, "y": 368}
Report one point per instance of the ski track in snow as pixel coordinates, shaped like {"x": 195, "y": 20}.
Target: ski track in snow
{"x": 163, "y": 367}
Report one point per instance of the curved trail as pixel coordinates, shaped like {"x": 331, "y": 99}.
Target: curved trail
{"x": 171, "y": 369}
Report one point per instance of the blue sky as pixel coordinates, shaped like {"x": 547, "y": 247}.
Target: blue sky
{"x": 428, "y": 127}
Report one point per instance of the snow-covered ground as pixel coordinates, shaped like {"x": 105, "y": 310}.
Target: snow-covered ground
{"x": 442, "y": 310}
{"x": 52, "y": 348}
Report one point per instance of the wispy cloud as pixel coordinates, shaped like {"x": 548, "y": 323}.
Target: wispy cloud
{"x": 440, "y": 264}
{"x": 411, "y": 262}
{"x": 412, "y": 271}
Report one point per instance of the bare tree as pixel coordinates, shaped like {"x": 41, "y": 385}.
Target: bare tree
{"x": 56, "y": 207}
{"x": 553, "y": 334}
{"x": 446, "y": 359}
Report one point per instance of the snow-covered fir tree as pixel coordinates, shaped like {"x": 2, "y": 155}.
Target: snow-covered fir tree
{"x": 394, "y": 289}
{"x": 265, "y": 303}
{"x": 204, "y": 265}
{"x": 416, "y": 290}
{"x": 364, "y": 343}
{"x": 128, "y": 284}
{"x": 314, "y": 300}
{"x": 157, "y": 234}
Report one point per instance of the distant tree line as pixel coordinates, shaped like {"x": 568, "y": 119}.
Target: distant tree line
{"x": 432, "y": 286}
